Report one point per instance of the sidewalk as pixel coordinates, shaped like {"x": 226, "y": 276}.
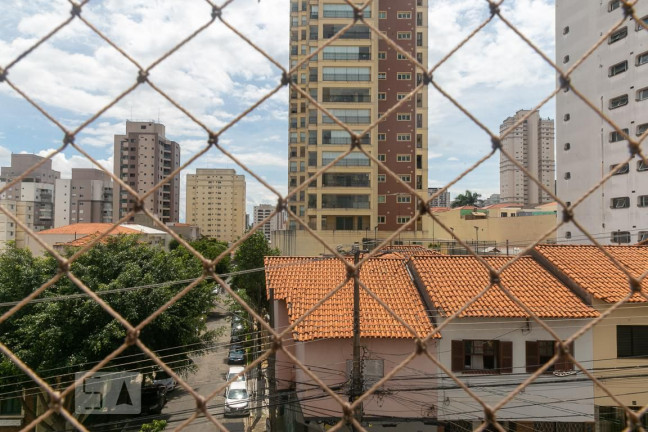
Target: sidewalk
{"x": 259, "y": 409}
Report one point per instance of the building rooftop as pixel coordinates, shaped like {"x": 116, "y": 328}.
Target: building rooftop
{"x": 303, "y": 281}
{"x": 406, "y": 251}
{"x": 90, "y": 228}
{"x": 452, "y": 281}
{"x": 592, "y": 270}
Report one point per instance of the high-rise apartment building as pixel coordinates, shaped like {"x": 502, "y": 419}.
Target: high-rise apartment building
{"x": 216, "y": 203}
{"x": 614, "y": 79}
{"x": 275, "y": 223}
{"x": 86, "y": 197}
{"x": 143, "y": 158}
{"x": 531, "y": 143}
{"x": 31, "y": 199}
{"x": 442, "y": 200}
{"x": 358, "y": 78}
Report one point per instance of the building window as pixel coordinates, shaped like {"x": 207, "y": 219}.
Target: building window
{"x": 567, "y": 146}
{"x": 641, "y": 165}
{"x": 404, "y": 137}
{"x": 382, "y": 15}
{"x": 402, "y": 219}
{"x": 403, "y": 158}
{"x": 404, "y": 35}
{"x": 382, "y": 55}
{"x": 482, "y": 356}
{"x": 614, "y": 4}
{"x": 643, "y": 21}
{"x": 381, "y": 178}
{"x": 403, "y": 76}
{"x": 643, "y": 236}
{"x": 381, "y": 219}
{"x": 623, "y": 169}
{"x": 641, "y": 129}
{"x": 382, "y": 157}
{"x": 404, "y": 15}
{"x": 618, "y": 68}
{"x": 642, "y": 201}
{"x": 382, "y": 75}
{"x": 616, "y": 136}
{"x": 620, "y": 202}
{"x": 620, "y": 237}
{"x": 382, "y": 199}
{"x": 632, "y": 341}
{"x": 642, "y": 59}
{"x": 618, "y": 101}
{"x": 405, "y": 177}
{"x": 400, "y": 56}
{"x": 382, "y": 137}
{"x": 382, "y": 96}
{"x": 403, "y": 116}
{"x": 618, "y": 35}
{"x": 540, "y": 352}
{"x": 10, "y": 407}
{"x": 401, "y": 199}
{"x": 642, "y": 94}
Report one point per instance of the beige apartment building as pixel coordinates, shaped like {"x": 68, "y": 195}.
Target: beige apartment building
{"x": 86, "y": 197}
{"x": 531, "y": 143}
{"x": 143, "y": 158}
{"x": 358, "y": 78}
{"x": 30, "y": 200}
{"x": 216, "y": 203}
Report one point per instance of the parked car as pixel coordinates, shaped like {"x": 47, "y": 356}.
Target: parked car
{"x": 236, "y": 339}
{"x": 236, "y": 355}
{"x": 163, "y": 378}
{"x": 235, "y": 370}
{"x": 153, "y": 399}
{"x": 237, "y": 399}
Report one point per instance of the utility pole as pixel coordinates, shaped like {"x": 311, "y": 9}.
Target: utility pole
{"x": 356, "y": 385}
{"x": 477, "y": 235}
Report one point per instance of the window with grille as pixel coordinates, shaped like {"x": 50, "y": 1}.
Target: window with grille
{"x": 620, "y": 237}
{"x": 616, "y": 136}
{"x": 540, "y": 352}
{"x": 618, "y": 35}
{"x": 623, "y": 169}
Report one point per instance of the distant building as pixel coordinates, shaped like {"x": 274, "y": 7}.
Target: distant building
{"x": 216, "y": 203}
{"x": 31, "y": 200}
{"x": 186, "y": 231}
{"x": 261, "y": 212}
{"x": 531, "y": 143}
{"x": 590, "y": 146}
{"x": 143, "y": 158}
{"x": 442, "y": 200}
{"x": 491, "y": 200}
{"x": 86, "y": 197}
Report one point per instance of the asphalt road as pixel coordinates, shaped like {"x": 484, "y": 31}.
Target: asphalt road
{"x": 208, "y": 377}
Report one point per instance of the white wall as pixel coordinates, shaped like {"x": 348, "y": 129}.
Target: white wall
{"x": 562, "y": 399}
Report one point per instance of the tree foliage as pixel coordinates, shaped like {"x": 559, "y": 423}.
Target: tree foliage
{"x": 71, "y": 333}
{"x": 249, "y": 256}
{"x": 466, "y": 199}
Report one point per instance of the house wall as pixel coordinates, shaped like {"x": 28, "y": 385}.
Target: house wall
{"x": 561, "y": 398}
{"x": 405, "y": 395}
{"x": 628, "y": 385}
{"x": 285, "y": 369}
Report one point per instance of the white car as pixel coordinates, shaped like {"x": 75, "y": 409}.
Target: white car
{"x": 237, "y": 399}
{"x": 235, "y": 370}
{"x": 163, "y": 378}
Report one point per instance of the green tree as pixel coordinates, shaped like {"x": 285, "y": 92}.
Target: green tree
{"x": 249, "y": 256}
{"x": 466, "y": 199}
{"x": 154, "y": 426}
{"x": 69, "y": 333}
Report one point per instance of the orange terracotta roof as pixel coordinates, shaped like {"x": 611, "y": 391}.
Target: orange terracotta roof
{"x": 88, "y": 228}
{"x": 82, "y": 241}
{"x": 588, "y": 267}
{"x": 303, "y": 281}
{"x": 408, "y": 250}
{"x": 451, "y": 281}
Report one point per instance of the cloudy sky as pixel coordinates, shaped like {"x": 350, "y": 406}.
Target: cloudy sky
{"x": 216, "y": 76}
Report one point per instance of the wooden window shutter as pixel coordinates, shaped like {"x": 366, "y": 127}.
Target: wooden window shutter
{"x": 506, "y": 356}
{"x": 532, "y": 358}
{"x": 457, "y": 356}
{"x": 564, "y": 363}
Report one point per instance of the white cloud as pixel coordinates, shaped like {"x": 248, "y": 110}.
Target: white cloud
{"x": 64, "y": 164}
{"x": 453, "y": 159}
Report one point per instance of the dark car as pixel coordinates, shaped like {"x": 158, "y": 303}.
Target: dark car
{"x": 153, "y": 398}
{"x": 236, "y": 355}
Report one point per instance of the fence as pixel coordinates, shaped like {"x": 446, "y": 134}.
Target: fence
{"x": 212, "y": 143}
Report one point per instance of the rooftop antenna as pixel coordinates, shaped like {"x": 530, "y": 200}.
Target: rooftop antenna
{"x": 158, "y": 116}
